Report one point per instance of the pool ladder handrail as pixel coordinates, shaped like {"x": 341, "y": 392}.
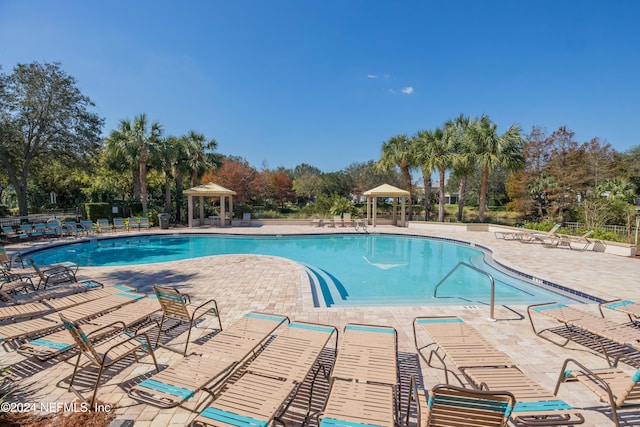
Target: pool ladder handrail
{"x": 473, "y": 267}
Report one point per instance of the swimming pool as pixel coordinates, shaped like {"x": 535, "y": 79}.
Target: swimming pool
{"x": 345, "y": 270}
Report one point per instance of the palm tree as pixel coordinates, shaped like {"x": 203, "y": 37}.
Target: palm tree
{"x": 539, "y": 190}
{"x": 400, "y": 151}
{"x": 165, "y": 155}
{"x": 433, "y": 152}
{"x": 122, "y": 155}
{"x": 132, "y": 142}
{"x": 463, "y": 161}
{"x": 494, "y": 151}
{"x": 198, "y": 160}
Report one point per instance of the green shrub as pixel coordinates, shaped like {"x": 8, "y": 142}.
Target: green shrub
{"x": 96, "y": 211}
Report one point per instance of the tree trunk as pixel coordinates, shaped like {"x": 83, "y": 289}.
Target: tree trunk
{"x": 19, "y": 184}
{"x": 427, "y": 196}
{"x": 407, "y": 179}
{"x": 178, "y": 197}
{"x": 136, "y": 182}
{"x": 143, "y": 183}
{"x": 484, "y": 184}
{"x": 167, "y": 194}
{"x": 441, "y": 196}
{"x": 462, "y": 193}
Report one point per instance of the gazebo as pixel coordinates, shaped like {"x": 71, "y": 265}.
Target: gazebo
{"x": 209, "y": 190}
{"x": 386, "y": 191}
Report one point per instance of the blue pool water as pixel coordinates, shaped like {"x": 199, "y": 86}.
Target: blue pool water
{"x": 346, "y": 269}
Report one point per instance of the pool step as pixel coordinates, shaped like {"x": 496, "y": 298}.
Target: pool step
{"x": 326, "y": 290}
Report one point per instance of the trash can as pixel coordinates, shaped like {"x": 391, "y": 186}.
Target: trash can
{"x": 163, "y": 219}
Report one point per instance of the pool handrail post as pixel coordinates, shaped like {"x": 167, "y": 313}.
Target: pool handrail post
{"x": 473, "y": 267}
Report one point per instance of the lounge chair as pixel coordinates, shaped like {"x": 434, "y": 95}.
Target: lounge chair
{"x": 12, "y": 235}
{"x": 104, "y": 225}
{"x": 124, "y": 317}
{"x": 611, "y": 385}
{"x": 118, "y": 224}
{"x": 54, "y": 274}
{"x": 346, "y": 219}
{"x": 536, "y": 236}
{"x": 89, "y": 226}
{"x": 74, "y": 229}
{"x": 144, "y": 223}
{"x": 177, "y": 306}
{"x": 316, "y": 222}
{"x": 21, "y": 311}
{"x": 27, "y": 233}
{"x": 40, "y": 230}
{"x": 246, "y": 220}
{"x": 52, "y": 295}
{"x": 215, "y": 361}
{"x": 591, "y": 327}
{"x": 449, "y": 406}
{"x": 487, "y": 368}
{"x": 106, "y": 353}
{"x": 266, "y": 389}
{"x": 134, "y": 223}
{"x": 628, "y": 307}
{"x": 17, "y": 331}
{"x": 580, "y": 243}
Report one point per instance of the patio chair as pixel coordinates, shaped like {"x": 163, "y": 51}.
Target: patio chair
{"x": 104, "y": 225}
{"x": 118, "y": 224}
{"x": 17, "y": 331}
{"x": 628, "y": 307}
{"x": 144, "y": 223}
{"x": 487, "y": 368}
{"x": 17, "y": 312}
{"x": 611, "y": 385}
{"x": 215, "y": 361}
{"x": 74, "y": 229}
{"x": 13, "y": 266}
{"x": 89, "y": 226}
{"x": 178, "y": 306}
{"x": 53, "y": 274}
{"x": 588, "y": 327}
{"x": 124, "y": 317}
{"x": 580, "y": 243}
{"x": 39, "y": 231}
{"x": 270, "y": 383}
{"x": 12, "y": 235}
{"x": 531, "y": 236}
{"x": 246, "y": 220}
{"x": 106, "y": 353}
{"x": 52, "y": 296}
{"x": 28, "y": 233}
{"x": 449, "y": 406}
{"x": 346, "y": 219}
{"x": 54, "y": 227}
{"x": 134, "y": 223}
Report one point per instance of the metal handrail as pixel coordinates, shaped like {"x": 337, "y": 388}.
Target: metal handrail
{"x": 473, "y": 267}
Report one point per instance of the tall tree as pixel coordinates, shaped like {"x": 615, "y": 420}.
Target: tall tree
{"x": 399, "y": 151}
{"x": 463, "y": 161}
{"x": 165, "y": 155}
{"x": 494, "y": 151}
{"x": 134, "y": 141}
{"x": 199, "y": 157}
{"x": 433, "y": 152}
{"x": 43, "y": 115}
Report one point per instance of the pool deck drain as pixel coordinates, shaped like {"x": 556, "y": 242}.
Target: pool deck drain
{"x": 242, "y": 283}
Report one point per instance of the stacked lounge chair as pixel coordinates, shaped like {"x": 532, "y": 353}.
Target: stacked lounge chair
{"x": 486, "y": 367}
{"x": 595, "y": 329}
{"x": 215, "y": 361}
{"x": 271, "y": 381}
{"x": 628, "y": 307}
{"x": 365, "y": 382}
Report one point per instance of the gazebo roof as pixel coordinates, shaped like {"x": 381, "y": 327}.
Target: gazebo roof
{"x": 386, "y": 190}
{"x": 210, "y": 189}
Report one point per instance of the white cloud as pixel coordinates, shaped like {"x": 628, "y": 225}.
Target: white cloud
{"x": 372, "y": 76}
{"x": 407, "y": 90}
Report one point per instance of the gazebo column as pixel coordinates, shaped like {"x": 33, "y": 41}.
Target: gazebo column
{"x": 368, "y": 210}
{"x": 222, "y": 211}
{"x": 394, "y": 214}
{"x": 190, "y": 210}
{"x": 201, "y": 211}
{"x": 403, "y": 214}
{"x": 374, "y": 209}
{"x": 231, "y": 210}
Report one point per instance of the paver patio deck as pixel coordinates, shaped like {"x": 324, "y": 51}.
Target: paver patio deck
{"x": 242, "y": 283}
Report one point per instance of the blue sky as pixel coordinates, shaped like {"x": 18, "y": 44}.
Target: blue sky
{"x": 327, "y": 82}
